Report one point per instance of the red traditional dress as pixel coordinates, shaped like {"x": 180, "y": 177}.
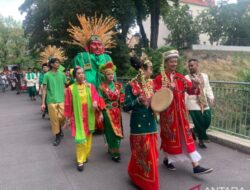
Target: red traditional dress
{"x": 176, "y": 136}
{"x": 143, "y": 165}
{"x": 113, "y": 96}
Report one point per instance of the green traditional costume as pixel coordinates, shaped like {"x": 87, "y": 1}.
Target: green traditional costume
{"x": 113, "y": 96}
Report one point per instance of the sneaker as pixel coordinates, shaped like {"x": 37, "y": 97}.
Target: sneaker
{"x": 57, "y": 140}
{"x": 202, "y": 145}
{"x": 80, "y": 167}
{"x": 169, "y": 166}
{"x": 200, "y": 170}
{"x": 116, "y": 158}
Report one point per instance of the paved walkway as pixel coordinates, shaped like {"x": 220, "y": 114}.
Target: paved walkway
{"x": 28, "y": 161}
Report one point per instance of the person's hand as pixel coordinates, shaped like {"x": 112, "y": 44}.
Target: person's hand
{"x": 67, "y": 123}
{"x": 95, "y": 105}
{"x": 143, "y": 100}
{"x": 43, "y": 107}
{"x": 211, "y": 101}
{"x": 172, "y": 85}
{"x": 196, "y": 81}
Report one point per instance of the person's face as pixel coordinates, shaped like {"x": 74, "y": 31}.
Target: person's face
{"x": 67, "y": 73}
{"x": 110, "y": 77}
{"x": 34, "y": 70}
{"x": 80, "y": 76}
{"x": 148, "y": 72}
{"x": 171, "y": 64}
{"x": 29, "y": 70}
{"x": 193, "y": 67}
{"x": 96, "y": 47}
{"x": 45, "y": 69}
{"x": 55, "y": 65}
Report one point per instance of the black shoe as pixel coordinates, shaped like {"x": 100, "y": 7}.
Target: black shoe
{"x": 202, "y": 145}
{"x": 200, "y": 170}
{"x": 80, "y": 167}
{"x": 57, "y": 140}
{"x": 61, "y": 134}
{"x": 116, "y": 158}
{"x": 169, "y": 166}
{"x": 43, "y": 116}
{"x": 17, "y": 93}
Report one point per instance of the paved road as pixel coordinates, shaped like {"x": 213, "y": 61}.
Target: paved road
{"x": 28, "y": 161}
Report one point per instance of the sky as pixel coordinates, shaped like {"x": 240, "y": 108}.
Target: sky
{"x": 10, "y": 8}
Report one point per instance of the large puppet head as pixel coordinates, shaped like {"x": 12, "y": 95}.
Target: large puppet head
{"x": 95, "y": 45}
{"x": 52, "y": 52}
{"x": 94, "y": 34}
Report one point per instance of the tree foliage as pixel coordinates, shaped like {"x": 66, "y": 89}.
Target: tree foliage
{"x": 13, "y": 44}
{"x": 228, "y": 24}
{"x": 47, "y": 22}
{"x": 183, "y": 29}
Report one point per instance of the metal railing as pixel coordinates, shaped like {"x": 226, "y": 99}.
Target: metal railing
{"x": 231, "y": 113}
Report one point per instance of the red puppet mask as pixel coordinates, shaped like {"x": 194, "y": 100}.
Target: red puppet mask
{"x": 96, "y": 47}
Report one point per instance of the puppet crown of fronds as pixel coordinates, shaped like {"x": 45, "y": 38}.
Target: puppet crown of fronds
{"x": 93, "y": 26}
{"x": 51, "y": 52}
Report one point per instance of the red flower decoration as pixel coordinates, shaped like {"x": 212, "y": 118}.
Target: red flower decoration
{"x": 109, "y": 65}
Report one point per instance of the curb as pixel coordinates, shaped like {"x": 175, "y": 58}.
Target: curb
{"x": 234, "y": 142}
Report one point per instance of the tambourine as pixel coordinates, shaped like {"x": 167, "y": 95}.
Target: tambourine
{"x": 162, "y": 100}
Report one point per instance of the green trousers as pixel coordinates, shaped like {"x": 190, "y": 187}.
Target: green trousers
{"x": 111, "y": 138}
{"x": 32, "y": 91}
{"x": 201, "y": 122}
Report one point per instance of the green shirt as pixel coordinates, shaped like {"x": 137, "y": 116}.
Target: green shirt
{"x": 55, "y": 86}
{"x": 142, "y": 119}
{"x": 41, "y": 76}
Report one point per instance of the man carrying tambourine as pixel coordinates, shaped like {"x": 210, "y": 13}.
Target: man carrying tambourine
{"x": 176, "y": 138}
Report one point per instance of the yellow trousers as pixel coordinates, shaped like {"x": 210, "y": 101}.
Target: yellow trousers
{"x": 56, "y": 115}
{"x": 83, "y": 150}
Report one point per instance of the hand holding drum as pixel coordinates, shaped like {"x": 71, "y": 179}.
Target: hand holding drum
{"x": 161, "y": 100}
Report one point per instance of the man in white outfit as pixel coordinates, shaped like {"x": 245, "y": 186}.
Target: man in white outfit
{"x": 198, "y": 102}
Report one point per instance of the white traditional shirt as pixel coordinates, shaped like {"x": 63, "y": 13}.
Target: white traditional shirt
{"x": 192, "y": 101}
{"x": 31, "y": 81}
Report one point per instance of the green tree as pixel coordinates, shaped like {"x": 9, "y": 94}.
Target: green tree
{"x": 212, "y": 24}
{"x": 13, "y": 44}
{"x": 183, "y": 29}
{"x": 45, "y": 24}
{"x": 227, "y": 23}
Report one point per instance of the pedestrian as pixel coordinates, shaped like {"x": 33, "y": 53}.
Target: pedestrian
{"x": 198, "y": 101}
{"x": 176, "y": 137}
{"x": 113, "y": 96}
{"x": 18, "y": 77}
{"x": 53, "y": 91}
{"x": 45, "y": 69}
{"x": 143, "y": 165}
{"x": 81, "y": 101}
{"x": 30, "y": 78}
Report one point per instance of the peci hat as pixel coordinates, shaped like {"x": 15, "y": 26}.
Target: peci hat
{"x": 170, "y": 54}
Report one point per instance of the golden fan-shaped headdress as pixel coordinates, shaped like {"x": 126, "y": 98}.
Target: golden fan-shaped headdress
{"x": 51, "y": 52}
{"x": 93, "y": 26}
